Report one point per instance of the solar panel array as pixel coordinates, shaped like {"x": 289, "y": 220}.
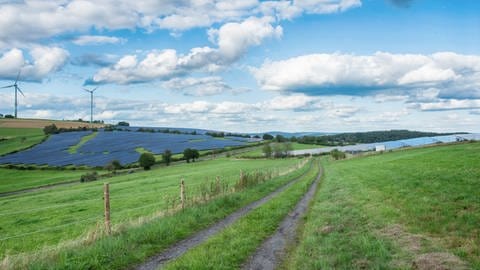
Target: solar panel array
{"x": 392, "y": 144}
{"x": 108, "y": 146}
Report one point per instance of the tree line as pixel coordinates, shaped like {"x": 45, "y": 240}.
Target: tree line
{"x": 355, "y": 137}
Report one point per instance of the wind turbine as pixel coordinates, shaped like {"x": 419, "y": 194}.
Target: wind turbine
{"x": 17, "y": 89}
{"x": 91, "y": 102}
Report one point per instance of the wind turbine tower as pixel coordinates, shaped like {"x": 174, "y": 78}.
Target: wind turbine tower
{"x": 91, "y": 102}
{"x": 17, "y": 89}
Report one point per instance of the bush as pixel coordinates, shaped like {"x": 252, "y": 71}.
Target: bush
{"x": 146, "y": 160}
{"x": 113, "y": 166}
{"x": 167, "y": 157}
{"x": 336, "y": 154}
{"x": 88, "y": 177}
{"x": 50, "y": 129}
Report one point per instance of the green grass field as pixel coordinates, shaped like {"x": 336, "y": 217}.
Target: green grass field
{"x": 257, "y": 153}
{"x": 31, "y": 221}
{"x": 400, "y": 210}
{"x": 16, "y": 139}
{"x": 12, "y": 179}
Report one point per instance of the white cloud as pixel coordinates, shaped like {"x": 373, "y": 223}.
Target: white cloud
{"x": 448, "y": 104}
{"x": 96, "y": 40}
{"x": 324, "y": 7}
{"x": 233, "y": 39}
{"x": 205, "y": 86}
{"x": 44, "y": 61}
{"x": 27, "y": 21}
{"x": 324, "y": 74}
{"x": 292, "y": 102}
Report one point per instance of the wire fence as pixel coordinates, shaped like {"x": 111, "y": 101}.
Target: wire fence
{"x": 120, "y": 213}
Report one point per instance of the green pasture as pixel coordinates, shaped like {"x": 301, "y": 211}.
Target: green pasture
{"x": 16, "y": 139}
{"x": 45, "y": 218}
{"x": 399, "y": 210}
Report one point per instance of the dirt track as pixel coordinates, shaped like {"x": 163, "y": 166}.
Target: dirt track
{"x": 183, "y": 246}
{"x": 270, "y": 254}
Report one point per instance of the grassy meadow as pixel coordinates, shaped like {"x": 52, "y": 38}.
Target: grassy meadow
{"x": 16, "y": 139}
{"x": 401, "y": 210}
{"x": 32, "y": 221}
{"x": 13, "y": 179}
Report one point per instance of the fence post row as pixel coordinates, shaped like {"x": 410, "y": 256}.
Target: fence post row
{"x": 106, "y": 198}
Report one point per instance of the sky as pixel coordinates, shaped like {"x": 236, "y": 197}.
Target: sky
{"x": 246, "y": 66}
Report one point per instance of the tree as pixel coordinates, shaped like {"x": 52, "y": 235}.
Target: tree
{"x": 146, "y": 160}
{"x": 50, "y": 129}
{"x": 336, "y": 154}
{"x": 123, "y": 124}
{"x": 267, "y": 137}
{"x": 287, "y": 148}
{"x": 195, "y": 154}
{"x": 277, "y": 150}
{"x": 280, "y": 138}
{"x": 187, "y": 154}
{"x": 267, "y": 150}
{"x": 113, "y": 166}
{"x": 9, "y": 116}
{"x": 167, "y": 156}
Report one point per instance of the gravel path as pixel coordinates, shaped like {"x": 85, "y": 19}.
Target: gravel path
{"x": 183, "y": 246}
{"x": 270, "y": 254}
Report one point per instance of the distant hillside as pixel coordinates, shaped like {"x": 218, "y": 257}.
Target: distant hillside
{"x": 368, "y": 137}
{"x": 41, "y": 123}
{"x": 295, "y": 134}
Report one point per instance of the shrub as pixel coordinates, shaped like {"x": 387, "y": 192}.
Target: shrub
{"x": 146, "y": 160}
{"x": 336, "y": 154}
{"x": 88, "y": 177}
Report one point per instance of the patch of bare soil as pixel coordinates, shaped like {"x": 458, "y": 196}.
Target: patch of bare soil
{"x": 408, "y": 241}
{"x": 41, "y": 123}
{"x": 412, "y": 244}
{"x": 438, "y": 261}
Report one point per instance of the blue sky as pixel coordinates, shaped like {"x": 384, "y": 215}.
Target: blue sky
{"x": 247, "y": 66}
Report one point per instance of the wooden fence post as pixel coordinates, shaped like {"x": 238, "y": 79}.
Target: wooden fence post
{"x": 106, "y": 198}
{"x": 182, "y": 193}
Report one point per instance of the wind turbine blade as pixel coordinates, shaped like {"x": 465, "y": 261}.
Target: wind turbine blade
{"x": 8, "y": 86}
{"x": 18, "y": 76}
{"x": 86, "y": 90}
{"x": 18, "y": 88}
{"x": 94, "y": 89}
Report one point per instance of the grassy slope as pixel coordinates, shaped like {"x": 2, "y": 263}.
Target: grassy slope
{"x": 136, "y": 244}
{"x": 231, "y": 247}
{"x": 19, "y": 138}
{"x": 11, "y": 179}
{"x": 384, "y": 211}
{"x": 78, "y": 208}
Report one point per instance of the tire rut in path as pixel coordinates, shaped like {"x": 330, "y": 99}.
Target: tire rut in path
{"x": 183, "y": 246}
{"x": 269, "y": 255}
